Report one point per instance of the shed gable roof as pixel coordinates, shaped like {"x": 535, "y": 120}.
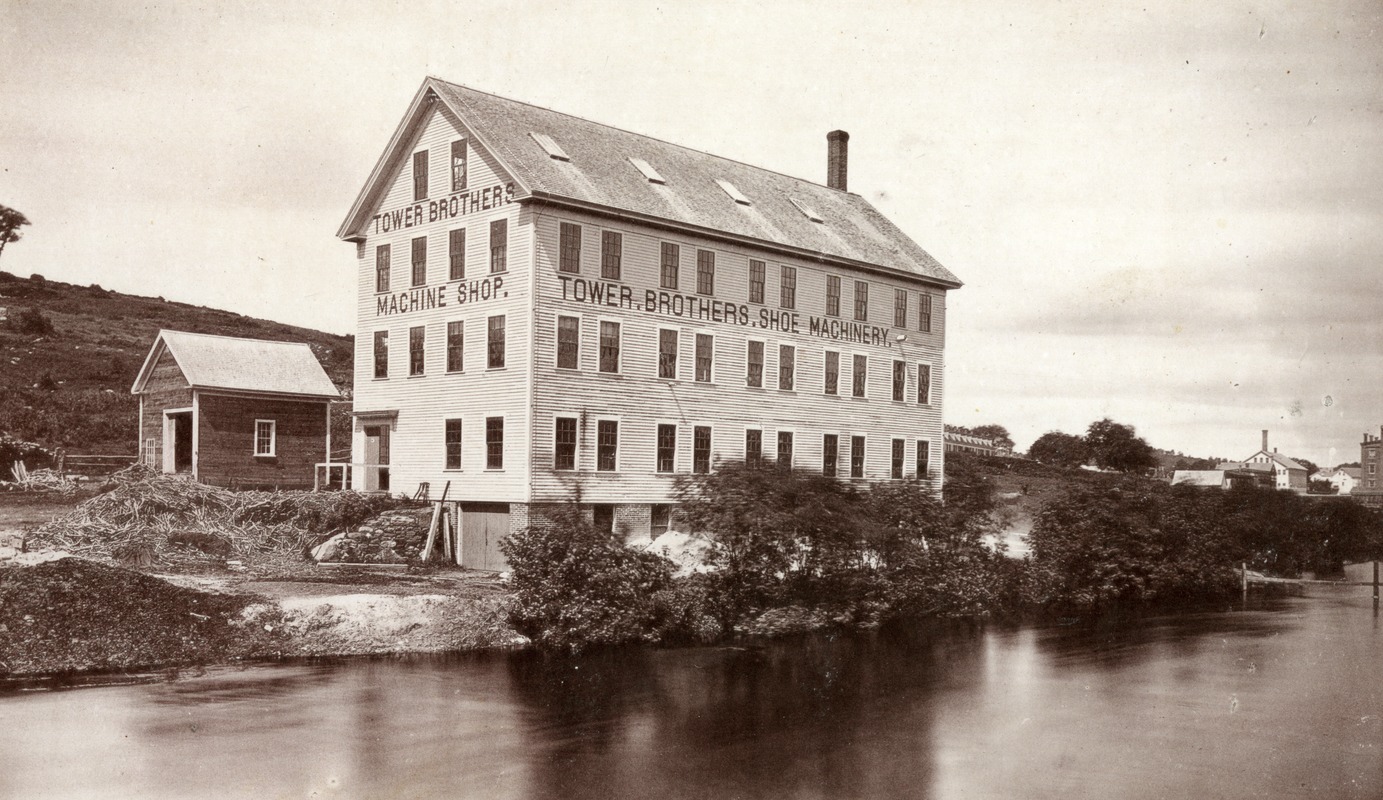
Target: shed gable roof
{"x": 248, "y": 365}
{"x": 601, "y": 173}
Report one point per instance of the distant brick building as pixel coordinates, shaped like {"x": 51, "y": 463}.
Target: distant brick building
{"x": 1368, "y": 490}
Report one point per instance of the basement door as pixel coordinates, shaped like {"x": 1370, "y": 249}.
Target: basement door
{"x": 483, "y": 527}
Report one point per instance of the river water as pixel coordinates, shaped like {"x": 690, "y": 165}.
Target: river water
{"x": 1279, "y": 699}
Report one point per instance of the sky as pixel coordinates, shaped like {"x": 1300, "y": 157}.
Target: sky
{"x": 1166, "y": 214}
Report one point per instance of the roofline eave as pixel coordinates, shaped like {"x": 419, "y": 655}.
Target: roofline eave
{"x": 713, "y": 233}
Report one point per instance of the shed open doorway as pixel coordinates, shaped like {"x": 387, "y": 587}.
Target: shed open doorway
{"x": 177, "y": 440}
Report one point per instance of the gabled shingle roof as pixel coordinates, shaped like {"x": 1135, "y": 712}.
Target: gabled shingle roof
{"x": 599, "y": 175}
{"x": 250, "y": 365}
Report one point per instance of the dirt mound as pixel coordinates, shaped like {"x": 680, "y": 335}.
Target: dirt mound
{"x": 73, "y": 614}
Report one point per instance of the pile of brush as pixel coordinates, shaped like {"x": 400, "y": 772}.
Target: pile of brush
{"x": 39, "y": 480}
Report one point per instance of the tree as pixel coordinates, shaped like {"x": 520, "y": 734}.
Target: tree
{"x": 1311, "y": 468}
{"x": 995, "y": 433}
{"x": 10, "y": 220}
{"x": 1059, "y": 449}
{"x": 1118, "y": 447}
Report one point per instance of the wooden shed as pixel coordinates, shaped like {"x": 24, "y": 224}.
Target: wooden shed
{"x": 234, "y": 412}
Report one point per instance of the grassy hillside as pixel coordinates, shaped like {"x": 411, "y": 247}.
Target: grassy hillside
{"x": 68, "y": 355}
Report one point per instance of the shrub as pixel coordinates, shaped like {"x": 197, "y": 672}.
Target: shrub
{"x": 13, "y": 449}
{"x": 578, "y": 586}
{"x": 33, "y": 322}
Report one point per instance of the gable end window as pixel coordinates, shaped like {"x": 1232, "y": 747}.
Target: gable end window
{"x": 382, "y": 254}
{"x": 569, "y": 248}
{"x": 499, "y": 245}
{"x": 611, "y": 254}
{"x": 861, "y": 301}
{"x": 924, "y": 312}
{"x": 420, "y": 175}
{"x": 900, "y": 308}
{"x": 458, "y": 165}
{"x": 266, "y": 437}
{"x": 832, "y": 295}
{"x": 705, "y": 272}
{"x": 787, "y": 290}
{"x": 456, "y": 254}
{"x": 756, "y": 281}
{"x": 452, "y": 443}
{"x": 419, "y": 260}
{"x": 671, "y": 260}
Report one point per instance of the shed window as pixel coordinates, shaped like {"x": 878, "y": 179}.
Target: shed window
{"x": 456, "y": 346}
{"x": 830, "y": 454}
{"x": 458, "y": 165}
{"x": 606, "y": 445}
{"x": 787, "y": 366}
{"x": 456, "y": 254}
{"x": 857, "y": 456}
{"x": 265, "y": 437}
{"x": 667, "y": 354}
{"x": 896, "y": 462}
{"x": 671, "y": 259}
{"x": 701, "y": 449}
{"x": 452, "y": 443}
{"x": 757, "y": 271}
{"x": 667, "y": 448}
{"x": 900, "y": 308}
{"x": 787, "y": 294}
{"x": 568, "y": 342}
{"x": 381, "y": 354}
{"x": 416, "y": 360}
{"x": 499, "y": 245}
{"x": 754, "y": 376}
{"x": 494, "y": 443}
{"x": 833, "y": 295}
{"x": 420, "y": 175}
{"x": 564, "y": 456}
{"x": 609, "y": 346}
{"x": 705, "y": 272}
{"x": 494, "y": 343}
{"x": 753, "y": 447}
{"x": 382, "y": 254}
{"x": 611, "y": 255}
{"x": 861, "y": 301}
{"x": 705, "y": 354}
{"x": 785, "y": 449}
{"x": 832, "y": 372}
{"x": 419, "y": 260}
{"x": 860, "y": 376}
{"x": 569, "y": 248}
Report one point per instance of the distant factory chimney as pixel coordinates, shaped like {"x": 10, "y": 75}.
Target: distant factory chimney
{"x": 837, "y": 159}
{"x": 1265, "y": 441}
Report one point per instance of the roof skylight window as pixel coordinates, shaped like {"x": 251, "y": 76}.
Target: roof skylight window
{"x": 553, "y": 149}
{"x": 806, "y": 212}
{"x": 647, "y": 170}
{"x": 735, "y": 194}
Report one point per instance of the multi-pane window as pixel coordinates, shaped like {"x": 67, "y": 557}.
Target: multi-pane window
{"x": 785, "y": 449}
{"x": 861, "y": 301}
{"x": 896, "y": 458}
{"x": 382, "y": 254}
{"x": 900, "y": 308}
{"x": 753, "y": 446}
{"x": 606, "y": 445}
{"x": 667, "y": 354}
{"x": 611, "y": 254}
{"x": 381, "y": 354}
{"x": 564, "y": 452}
{"x": 458, "y": 165}
{"x": 609, "y": 347}
{"x": 754, "y": 375}
{"x": 857, "y": 456}
{"x": 451, "y": 442}
{"x": 420, "y": 175}
{"x": 416, "y": 359}
{"x": 705, "y": 347}
{"x": 667, "y": 448}
{"x": 265, "y": 435}
{"x": 456, "y": 346}
{"x": 456, "y": 255}
{"x": 419, "y": 260}
{"x": 499, "y": 245}
{"x": 787, "y": 293}
{"x": 701, "y": 449}
{"x": 924, "y": 384}
{"x": 494, "y": 342}
{"x": 672, "y": 257}
{"x": 924, "y": 458}
{"x": 705, "y": 272}
{"x": 900, "y": 379}
{"x": 787, "y": 366}
{"x": 660, "y": 519}
{"x": 924, "y": 312}
{"x": 830, "y": 454}
{"x": 568, "y": 342}
{"x": 832, "y": 372}
{"x": 494, "y": 443}
{"x": 757, "y": 272}
{"x": 859, "y": 376}
{"x": 833, "y": 295}
{"x": 569, "y": 249}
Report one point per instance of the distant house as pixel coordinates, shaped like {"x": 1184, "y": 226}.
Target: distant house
{"x": 232, "y": 411}
{"x": 1287, "y": 474}
{"x": 965, "y": 443}
{"x": 1344, "y": 479}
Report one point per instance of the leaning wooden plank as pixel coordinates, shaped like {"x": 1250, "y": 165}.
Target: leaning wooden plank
{"x": 432, "y": 532}
{"x": 460, "y": 525}
{"x": 445, "y": 531}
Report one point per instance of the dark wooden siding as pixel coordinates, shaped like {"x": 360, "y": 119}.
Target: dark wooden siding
{"x": 166, "y": 388}
{"x": 225, "y": 451}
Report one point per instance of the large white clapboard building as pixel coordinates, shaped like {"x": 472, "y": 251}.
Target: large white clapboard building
{"x": 547, "y": 302}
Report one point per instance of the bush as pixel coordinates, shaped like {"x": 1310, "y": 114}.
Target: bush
{"x": 33, "y": 322}
{"x": 578, "y": 586}
{"x": 33, "y": 455}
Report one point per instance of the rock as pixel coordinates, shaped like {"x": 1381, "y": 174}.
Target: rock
{"x": 331, "y": 549}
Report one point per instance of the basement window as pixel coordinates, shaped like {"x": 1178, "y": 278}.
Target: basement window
{"x": 805, "y": 211}
{"x": 265, "y": 437}
{"x": 647, "y": 170}
{"x": 735, "y": 194}
{"x": 549, "y": 146}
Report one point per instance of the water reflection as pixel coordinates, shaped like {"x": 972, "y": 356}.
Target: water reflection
{"x": 1278, "y": 700}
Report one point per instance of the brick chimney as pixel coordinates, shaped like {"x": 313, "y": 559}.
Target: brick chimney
{"x": 1265, "y": 441}
{"x": 837, "y": 159}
